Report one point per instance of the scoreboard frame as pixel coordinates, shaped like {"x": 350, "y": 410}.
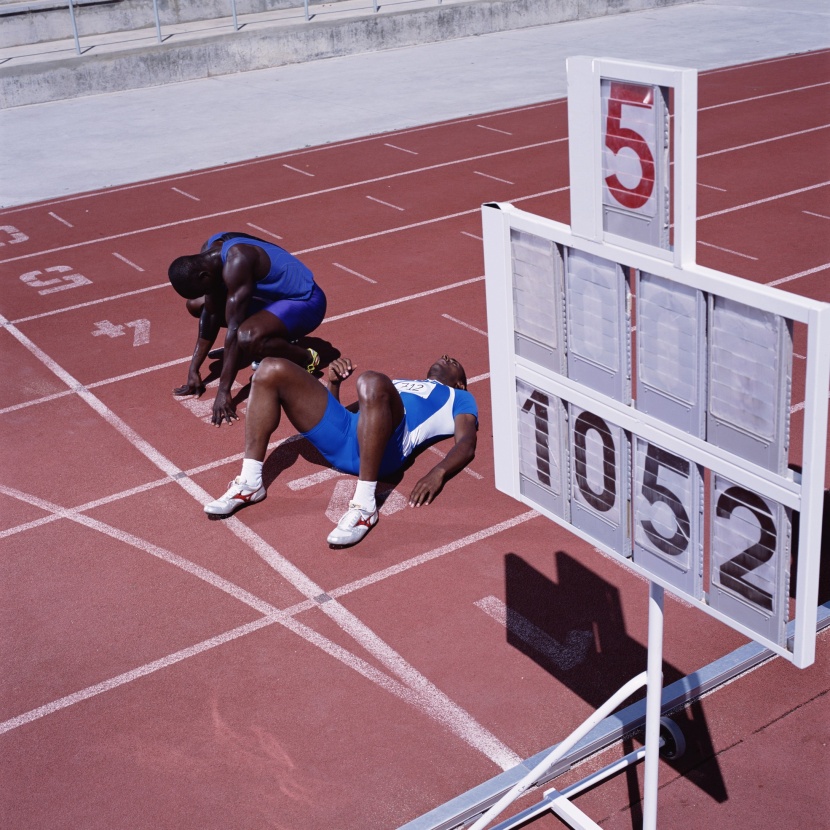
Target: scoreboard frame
{"x": 546, "y": 368}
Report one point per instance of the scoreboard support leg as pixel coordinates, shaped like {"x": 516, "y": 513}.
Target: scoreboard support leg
{"x": 559, "y": 802}
{"x": 654, "y": 690}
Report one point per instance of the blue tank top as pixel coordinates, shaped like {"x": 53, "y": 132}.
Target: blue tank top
{"x": 287, "y": 279}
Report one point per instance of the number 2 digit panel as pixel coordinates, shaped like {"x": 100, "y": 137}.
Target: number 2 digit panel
{"x": 665, "y": 443}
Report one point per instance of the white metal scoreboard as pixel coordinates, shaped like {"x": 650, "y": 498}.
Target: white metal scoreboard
{"x": 643, "y": 401}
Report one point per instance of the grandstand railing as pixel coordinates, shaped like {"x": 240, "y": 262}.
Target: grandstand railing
{"x": 156, "y": 17}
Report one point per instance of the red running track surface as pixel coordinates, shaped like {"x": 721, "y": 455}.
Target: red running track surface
{"x": 162, "y": 670}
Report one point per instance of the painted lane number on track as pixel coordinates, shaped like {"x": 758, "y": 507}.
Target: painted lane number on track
{"x": 141, "y": 330}
{"x": 50, "y": 286}
{"x": 14, "y": 235}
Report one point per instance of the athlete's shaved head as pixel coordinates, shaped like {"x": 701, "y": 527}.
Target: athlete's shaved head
{"x": 185, "y": 274}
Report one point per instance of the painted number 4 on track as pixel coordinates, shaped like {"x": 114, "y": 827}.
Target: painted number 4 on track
{"x": 141, "y": 330}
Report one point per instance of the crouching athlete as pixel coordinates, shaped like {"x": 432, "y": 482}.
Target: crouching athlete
{"x": 264, "y": 296}
{"x": 393, "y": 419}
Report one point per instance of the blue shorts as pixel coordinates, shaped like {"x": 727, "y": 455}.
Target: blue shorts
{"x": 335, "y": 436}
{"x": 299, "y": 316}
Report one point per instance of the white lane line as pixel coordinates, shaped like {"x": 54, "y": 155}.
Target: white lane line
{"x": 262, "y": 230}
{"x": 400, "y": 300}
{"x": 762, "y": 141}
{"x": 765, "y": 95}
{"x": 297, "y": 170}
{"x": 493, "y": 129}
{"x": 800, "y": 274}
{"x": 427, "y": 696}
{"x": 799, "y": 406}
{"x": 394, "y": 570}
{"x": 314, "y": 478}
{"x": 36, "y": 401}
{"x": 163, "y": 554}
{"x": 564, "y": 656}
{"x": 141, "y": 488}
{"x": 811, "y": 213}
{"x": 477, "y": 378}
{"x": 494, "y": 178}
{"x": 284, "y": 618}
{"x": 728, "y": 250}
{"x": 712, "y": 187}
{"x": 130, "y": 676}
{"x": 467, "y": 470}
{"x": 178, "y": 361}
{"x": 472, "y": 236}
{"x": 402, "y": 149}
{"x": 386, "y": 232}
{"x": 106, "y": 382}
{"x": 466, "y": 325}
{"x": 349, "y": 271}
{"x": 61, "y": 220}
{"x": 127, "y": 261}
{"x": 386, "y": 204}
{"x": 286, "y": 199}
{"x": 739, "y": 67}
{"x": 89, "y": 303}
{"x": 189, "y": 195}
{"x": 416, "y": 690}
{"x": 764, "y": 201}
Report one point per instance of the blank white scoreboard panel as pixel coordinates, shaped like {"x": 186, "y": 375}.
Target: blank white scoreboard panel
{"x": 749, "y": 382}
{"x": 538, "y": 311}
{"x": 598, "y": 324}
{"x": 637, "y": 475}
{"x": 671, "y": 352}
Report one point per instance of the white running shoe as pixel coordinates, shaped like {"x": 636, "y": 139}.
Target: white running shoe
{"x": 353, "y": 526}
{"x": 239, "y": 494}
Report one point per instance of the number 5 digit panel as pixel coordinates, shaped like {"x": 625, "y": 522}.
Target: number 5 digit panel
{"x": 750, "y": 552}
{"x": 668, "y": 517}
{"x": 635, "y": 161}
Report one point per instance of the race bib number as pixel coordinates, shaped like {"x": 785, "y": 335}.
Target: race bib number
{"x": 420, "y": 388}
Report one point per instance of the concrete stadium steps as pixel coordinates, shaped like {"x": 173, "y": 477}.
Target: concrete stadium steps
{"x": 51, "y": 71}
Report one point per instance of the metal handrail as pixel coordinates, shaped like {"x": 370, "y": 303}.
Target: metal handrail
{"x": 157, "y": 19}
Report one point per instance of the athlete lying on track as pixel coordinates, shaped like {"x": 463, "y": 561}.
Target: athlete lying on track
{"x": 264, "y": 296}
{"x": 393, "y": 419}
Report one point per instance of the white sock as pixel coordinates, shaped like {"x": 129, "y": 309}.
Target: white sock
{"x": 251, "y": 472}
{"x": 364, "y": 495}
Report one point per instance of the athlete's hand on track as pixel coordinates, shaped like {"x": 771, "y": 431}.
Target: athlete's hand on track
{"x": 426, "y": 489}
{"x": 194, "y": 386}
{"x": 223, "y": 410}
{"x": 340, "y": 369}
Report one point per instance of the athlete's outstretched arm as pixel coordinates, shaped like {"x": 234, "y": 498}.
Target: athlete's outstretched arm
{"x": 461, "y": 454}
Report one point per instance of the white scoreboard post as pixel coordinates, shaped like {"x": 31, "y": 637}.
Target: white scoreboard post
{"x": 643, "y": 401}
